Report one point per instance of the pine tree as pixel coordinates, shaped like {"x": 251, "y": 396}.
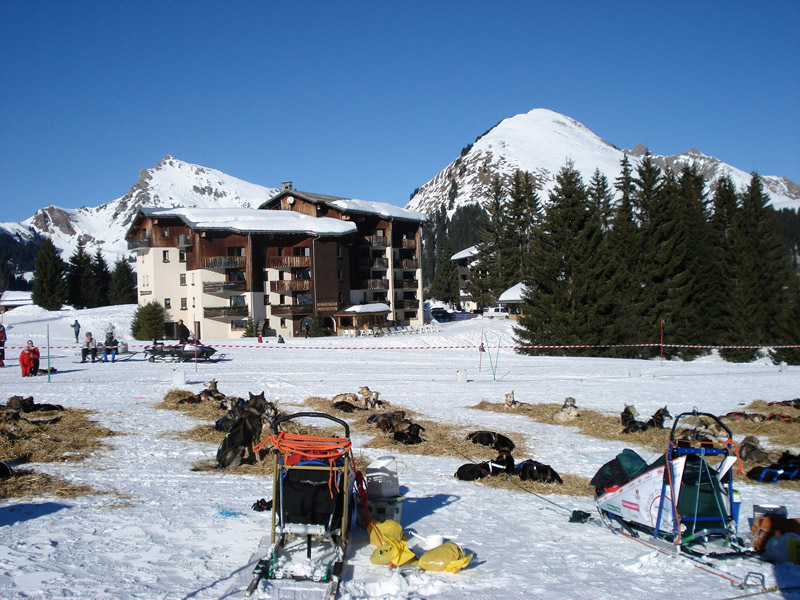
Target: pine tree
{"x": 602, "y": 197}
{"x": 523, "y": 212}
{"x": 101, "y": 280}
{"x": 79, "y": 277}
{"x": 788, "y": 329}
{"x": 445, "y": 283}
{"x": 122, "y": 287}
{"x": 559, "y": 302}
{"x": 769, "y": 265}
{"x": 148, "y": 322}
{"x": 249, "y": 328}
{"x": 490, "y": 277}
{"x": 49, "y": 289}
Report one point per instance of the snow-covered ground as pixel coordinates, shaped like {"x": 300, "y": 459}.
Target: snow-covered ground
{"x": 168, "y": 532}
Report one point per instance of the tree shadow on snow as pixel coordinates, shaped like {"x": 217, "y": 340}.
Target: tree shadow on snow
{"x": 17, "y": 513}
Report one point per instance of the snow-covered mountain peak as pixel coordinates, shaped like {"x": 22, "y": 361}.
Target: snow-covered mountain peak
{"x": 541, "y": 142}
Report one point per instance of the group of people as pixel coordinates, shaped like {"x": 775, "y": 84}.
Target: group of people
{"x": 90, "y": 347}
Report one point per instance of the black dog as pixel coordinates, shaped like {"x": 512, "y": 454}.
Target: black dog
{"x": 531, "y": 470}
{"x": 410, "y": 435}
{"x": 347, "y": 407}
{"x": 491, "y": 439}
{"x": 472, "y": 471}
{"x": 654, "y": 422}
{"x": 503, "y": 464}
{"x": 245, "y": 432}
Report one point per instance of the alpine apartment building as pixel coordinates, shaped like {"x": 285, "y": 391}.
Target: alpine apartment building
{"x": 297, "y": 257}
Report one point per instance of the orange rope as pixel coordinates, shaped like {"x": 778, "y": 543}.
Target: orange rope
{"x": 314, "y": 448}
{"x": 721, "y": 444}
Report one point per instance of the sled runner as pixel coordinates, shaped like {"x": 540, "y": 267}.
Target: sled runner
{"x": 311, "y": 510}
{"x": 181, "y": 353}
{"x": 684, "y": 499}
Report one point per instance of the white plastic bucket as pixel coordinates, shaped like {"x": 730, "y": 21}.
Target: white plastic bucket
{"x": 178, "y": 377}
{"x": 461, "y": 376}
{"x": 381, "y": 477}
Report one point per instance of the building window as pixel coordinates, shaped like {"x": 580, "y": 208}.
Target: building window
{"x": 266, "y": 299}
{"x": 238, "y": 325}
{"x": 238, "y": 301}
{"x": 236, "y": 276}
{"x": 167, "y": 303}
{"x": 283, "y": 323}
{"x": 165, "y": 232}
{"x": 339, "y": 251}
{"x": 339, "y": 275}
{"x": 183, "y": 304}
{"x": 236, "y": 251}
{"x": 182, "y": 277}
{"x": 181, "y": 256}
{"x": 192, "y": 301}
{"x": 302, "y": 251}
{"x": 165, "y": 255}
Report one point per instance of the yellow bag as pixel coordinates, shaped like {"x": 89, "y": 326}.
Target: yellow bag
{"x": 380, "y": 533}
{"x": 448, "y": 557}
{"x": 394, "y": 553}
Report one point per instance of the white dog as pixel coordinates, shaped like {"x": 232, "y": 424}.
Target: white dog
{"x": 368, "y": 397}
{"x": 568, "y": 412}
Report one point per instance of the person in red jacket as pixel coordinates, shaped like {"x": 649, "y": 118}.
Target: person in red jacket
{"x": 29, "y": 360}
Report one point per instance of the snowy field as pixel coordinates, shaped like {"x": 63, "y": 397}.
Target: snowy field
{"x": 167, "y": 532}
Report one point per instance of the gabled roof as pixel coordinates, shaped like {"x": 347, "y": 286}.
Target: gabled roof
{"x": 351, "y": 206}
{"x": 251, "y": 220}
{"x": 512, "y": 294}
{"x": 466, "y": 253}
{"x": 15, "y": 298}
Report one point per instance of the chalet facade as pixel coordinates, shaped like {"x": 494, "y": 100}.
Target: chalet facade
{"x": 465, "y": 261}
{"x": 297, "y": 257}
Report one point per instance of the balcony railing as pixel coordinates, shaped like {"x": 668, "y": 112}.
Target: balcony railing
{"x": 409, "y": 243}
{"x": 185, "y": 241}
{"x": 291, "y": 285}
{"x": 379, "y": 241}
{"x": 380, "y": 263}
{"x": 406, "y": 284}
{"x": 223, "y": 262}
{"x": 409, "y": 263}
{"x": 222, "y": 287}
{"x": 219, "y": 312}
{"x": 141, "y": 243}
{"x": 288, "y": 262}
{"x": 280, "y": 310}
{"x": 406, "y": 304}
{"x": 376, "y": 284}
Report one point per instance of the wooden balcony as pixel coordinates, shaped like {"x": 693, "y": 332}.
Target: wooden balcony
{"x": 185, "y": 241}
{"x": 283, "y": 310}
{"x": 409, "y": 243}
{"x": 224, "y": 287}
{"x": 406, "y": 284}
{"x": 141, "y": 243}
{"x": 379, "y": 263}
{"x": 222, "y": 312}
{"x": 409, "y": 263}
{"x": 288, "y": 262}
{"x": 291, "y": 285}
{"x": 375, "y": 284}
{"x": 378, "y": 241}
{"x": 399, "y": 304}
{"x": 224, "y": 262}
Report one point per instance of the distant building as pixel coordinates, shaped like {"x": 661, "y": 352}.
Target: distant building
{"x": 12, "y": 299}
{"x": 512, "y": 300}
{"x": 298, "y": 256}
{"x": 466, "y": 261}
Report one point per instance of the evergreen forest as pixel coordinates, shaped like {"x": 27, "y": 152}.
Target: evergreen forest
{"x": 653, "y": 263}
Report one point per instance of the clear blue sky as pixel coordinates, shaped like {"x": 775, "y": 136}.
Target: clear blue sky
{"x": 372, "y": 99}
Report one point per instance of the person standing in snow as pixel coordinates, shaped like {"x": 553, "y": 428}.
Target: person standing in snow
{"x": 2, "y": 345}
{"x": 77, "y": 328}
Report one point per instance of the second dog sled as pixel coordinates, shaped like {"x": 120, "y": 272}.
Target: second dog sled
{"x": 685, "y": 499}
{"x": 313, "y": 485}
{"x": 159, "y": 352}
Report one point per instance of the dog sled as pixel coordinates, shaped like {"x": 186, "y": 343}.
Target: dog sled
{"x": 314, "y": 483}
{"x": 685, "y": 499}
{"x": 160, "y": 352}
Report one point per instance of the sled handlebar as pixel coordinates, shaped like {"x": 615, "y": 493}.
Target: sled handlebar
{"x": 696, "y": 414}
{"x": 276, "y": 423}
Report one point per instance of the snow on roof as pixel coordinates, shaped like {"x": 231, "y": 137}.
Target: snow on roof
{"x": 15, "y": 298}
{"x": 513, "y": 294}
{"x": 252, "y": 220}
{"x": 375, "y": 307}
{"x": 388, "y": 211}
{"x": 466, "y": 253}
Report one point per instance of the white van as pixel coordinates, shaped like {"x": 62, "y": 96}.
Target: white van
{"x": 495, "y": 312}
